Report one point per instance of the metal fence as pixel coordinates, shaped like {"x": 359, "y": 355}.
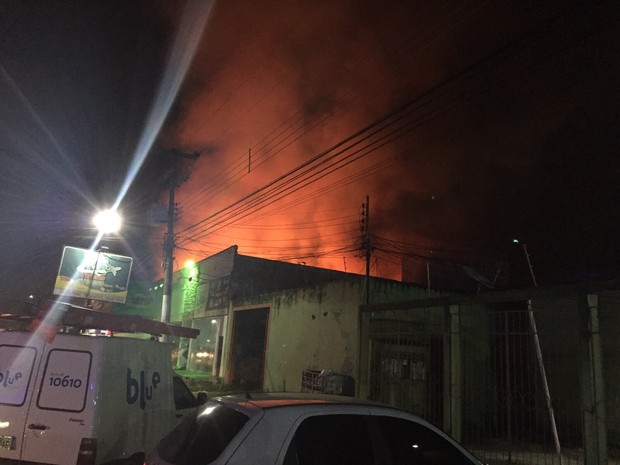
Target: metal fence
{"x": 532, "y": 412}
{"x": 503, "y": 377}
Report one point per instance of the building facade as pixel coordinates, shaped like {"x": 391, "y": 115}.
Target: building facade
{"x": 263, "y": 322}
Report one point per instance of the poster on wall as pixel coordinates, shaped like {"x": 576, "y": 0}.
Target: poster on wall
{"x": 93, "y": 274}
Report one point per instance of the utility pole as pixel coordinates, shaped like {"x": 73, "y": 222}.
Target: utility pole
{"x": 175, "y": 181}
{"x": 366, "y": 244}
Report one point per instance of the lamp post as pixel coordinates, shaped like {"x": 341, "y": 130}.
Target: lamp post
{"x": 539, "y": 357}
{"x": 92, "y": 276}
{"x": 107, "y": 222}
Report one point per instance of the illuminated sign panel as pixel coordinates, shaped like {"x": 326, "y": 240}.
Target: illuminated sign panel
{"x": 93, "y": 274}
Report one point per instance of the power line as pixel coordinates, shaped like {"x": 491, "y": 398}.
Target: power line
{"x": 464, "y": 9}
{"x": 307, "y": 173}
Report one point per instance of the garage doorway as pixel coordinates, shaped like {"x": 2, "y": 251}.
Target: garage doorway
{"x": 248, "y": 348}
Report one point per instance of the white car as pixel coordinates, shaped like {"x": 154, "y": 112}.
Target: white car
{"x": 305, "y": 429}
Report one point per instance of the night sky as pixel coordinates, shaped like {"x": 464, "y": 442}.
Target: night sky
{"x": 467, "y": 124}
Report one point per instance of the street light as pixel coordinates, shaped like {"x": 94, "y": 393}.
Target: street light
{"x": 107, "y": 221}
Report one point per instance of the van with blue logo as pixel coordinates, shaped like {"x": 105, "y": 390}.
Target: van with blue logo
{"x": 77, "y": 399}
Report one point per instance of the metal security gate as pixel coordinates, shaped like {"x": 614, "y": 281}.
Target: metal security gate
{"x": 406, "y": 363}
{"x": 520, "y": 426}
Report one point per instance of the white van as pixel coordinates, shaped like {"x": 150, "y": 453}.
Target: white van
{"x": 87, "y": 400}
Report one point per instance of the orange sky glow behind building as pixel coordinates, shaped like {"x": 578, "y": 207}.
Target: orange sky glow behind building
{"x": 465, "y": 124}
{"x": 275, "y": 86}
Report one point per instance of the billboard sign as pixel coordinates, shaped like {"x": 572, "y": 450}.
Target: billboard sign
{"x": 93, "y": 274}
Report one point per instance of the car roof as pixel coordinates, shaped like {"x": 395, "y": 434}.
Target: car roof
{"x": 269, "y": 400}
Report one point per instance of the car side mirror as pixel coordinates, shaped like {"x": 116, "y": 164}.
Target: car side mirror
{"x": 201, "y": 398}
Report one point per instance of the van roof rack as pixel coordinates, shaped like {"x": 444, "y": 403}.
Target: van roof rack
{"x": 63, "y": 315}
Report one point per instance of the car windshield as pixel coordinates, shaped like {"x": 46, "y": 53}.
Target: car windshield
{"x": 201, "y": 437}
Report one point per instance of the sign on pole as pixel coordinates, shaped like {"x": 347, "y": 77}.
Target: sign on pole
{"x": 93, "y": 274}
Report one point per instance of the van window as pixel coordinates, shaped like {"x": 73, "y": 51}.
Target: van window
{"x": 16, "y": 363}
{"x": 64, "y": 385}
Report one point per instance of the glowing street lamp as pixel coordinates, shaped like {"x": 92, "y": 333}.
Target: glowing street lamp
{"x": 190, "y": 266}
{"x": 107, "y": 221}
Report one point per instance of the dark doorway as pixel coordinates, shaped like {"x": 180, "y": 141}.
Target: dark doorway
{"x": 248, "y": 348}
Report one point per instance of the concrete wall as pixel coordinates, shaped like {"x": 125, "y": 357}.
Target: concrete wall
{"x": 312, "y": 328}
{"x": 479, "y": 384}
{"x": 610, "y": 327}
{"x": 317, "y": 328}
